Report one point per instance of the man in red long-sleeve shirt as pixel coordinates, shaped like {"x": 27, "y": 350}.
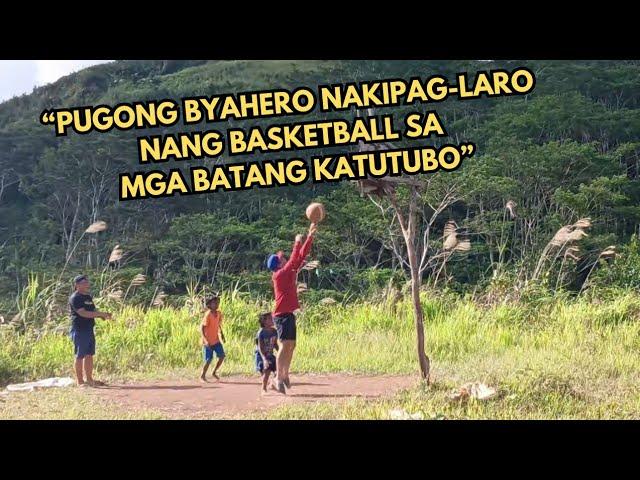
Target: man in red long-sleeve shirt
{"x": 284, "y": 278}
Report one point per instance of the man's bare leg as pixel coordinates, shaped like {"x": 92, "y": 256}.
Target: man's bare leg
{"x": 88, "y": 368}
{"x": 78, "y": 368}
{"x": 283, "y": 360}
{"x": 287, "y": 354}
{"x": 287, "y": 364}
{"x": 279, "y": 362}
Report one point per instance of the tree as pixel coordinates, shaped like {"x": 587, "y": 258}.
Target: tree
{"x": 386, "y": 188}
{"x": 408, "y": 226}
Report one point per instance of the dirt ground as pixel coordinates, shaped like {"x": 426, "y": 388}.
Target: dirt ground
{"x": 235, "y": 396}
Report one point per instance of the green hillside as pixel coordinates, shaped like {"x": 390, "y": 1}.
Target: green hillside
{"x": 567, "y": 151}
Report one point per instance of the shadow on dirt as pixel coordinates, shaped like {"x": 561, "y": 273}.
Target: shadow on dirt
{"x": 161, "y": 387}
{"x": 329, "y": 395}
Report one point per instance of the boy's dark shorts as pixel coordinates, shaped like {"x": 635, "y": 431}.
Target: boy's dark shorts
{"x": 84, "y": 343}
{"x": 285, "y": 326}
{"x": 260, "y": 363}
{"x": 208, "y": 352}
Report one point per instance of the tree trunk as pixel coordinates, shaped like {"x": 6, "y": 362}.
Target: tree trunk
{"x": 409, "y": 234}
{"x": 417, "y": 311}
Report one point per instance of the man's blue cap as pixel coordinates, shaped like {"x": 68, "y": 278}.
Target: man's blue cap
{"x": 273, "y": 262}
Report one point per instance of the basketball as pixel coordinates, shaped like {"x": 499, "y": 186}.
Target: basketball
{"x": 315, "y": 212}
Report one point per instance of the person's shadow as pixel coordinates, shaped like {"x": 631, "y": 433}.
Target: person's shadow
{"x": 160, "y": 387}
{"x": 331, "y": 395}
{"x": 293, "y": 385}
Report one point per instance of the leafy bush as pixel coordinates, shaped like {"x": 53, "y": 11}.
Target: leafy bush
{"x": 623, "y": 272}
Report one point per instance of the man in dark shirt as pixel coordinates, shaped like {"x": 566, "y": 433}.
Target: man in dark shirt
{"x": 83, "y": 315}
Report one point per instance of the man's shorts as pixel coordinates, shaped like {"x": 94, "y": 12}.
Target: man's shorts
{"x": 84, "y": 343}
{"x": 260, "y": 363}
{"x": 208, "y": 352}
{"x": 285, "y": 326}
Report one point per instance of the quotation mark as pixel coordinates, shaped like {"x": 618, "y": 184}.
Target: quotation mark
{"x": 47, "y": 117}
{"x": 467, "y": 149}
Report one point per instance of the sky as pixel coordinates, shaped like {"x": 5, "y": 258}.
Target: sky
{"x": 20, "y": 76}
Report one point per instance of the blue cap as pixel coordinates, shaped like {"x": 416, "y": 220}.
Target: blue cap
{"x": 273, "y": 262}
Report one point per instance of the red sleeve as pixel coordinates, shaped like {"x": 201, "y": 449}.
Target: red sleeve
{"x": 299, "y": 254}
{"x": 306, "y": 247}
{"x": 295, "y": 258}
{"x": 296, "y": 249}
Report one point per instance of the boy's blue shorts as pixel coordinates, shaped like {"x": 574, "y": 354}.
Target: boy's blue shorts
{"x": 260, "y": 363}
{"x": 208, "y": 352}
{"x": 84, "y": 343}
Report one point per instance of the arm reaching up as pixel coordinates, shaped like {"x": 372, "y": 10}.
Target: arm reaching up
{"x": 306, "y": 247}
{"x": 301, "y": 251}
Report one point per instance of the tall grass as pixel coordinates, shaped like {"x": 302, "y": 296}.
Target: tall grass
{"x": 36, "y": 303}
{"x": 559, "y": 337}
{"x": 567, "y": 360}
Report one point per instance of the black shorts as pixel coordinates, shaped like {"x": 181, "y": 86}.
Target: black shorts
{"x": 260, "y": 363}
{"x": 285, "y": 326}
{"x": 84, "y": 343}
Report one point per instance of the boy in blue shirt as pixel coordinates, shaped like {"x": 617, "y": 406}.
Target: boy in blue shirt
{"x": 266, "y": 343}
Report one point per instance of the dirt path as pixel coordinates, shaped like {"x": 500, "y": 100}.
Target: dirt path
{"x": 237, "y": 395}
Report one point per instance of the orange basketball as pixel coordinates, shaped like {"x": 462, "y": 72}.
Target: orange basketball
{"x": 315, "y": 212}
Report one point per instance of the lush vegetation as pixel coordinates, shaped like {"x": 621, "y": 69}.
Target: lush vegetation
{"x": 553, "y": 358}
{"x": 542, "y": 305}
{"x": 567, "y": 151}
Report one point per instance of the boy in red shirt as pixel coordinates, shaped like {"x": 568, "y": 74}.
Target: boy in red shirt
{"x": 284, "y": 278}
{"x": 211, "y": 330}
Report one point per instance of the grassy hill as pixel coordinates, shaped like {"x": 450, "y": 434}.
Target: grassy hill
{"x": 566, "y": 151}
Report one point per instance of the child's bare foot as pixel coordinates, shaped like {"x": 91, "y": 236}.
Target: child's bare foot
{"x": 203, "y": 379}
{"x": 216, "y": 377}
{"x": 264, "y": 391}
{"x": 82, "y": 385}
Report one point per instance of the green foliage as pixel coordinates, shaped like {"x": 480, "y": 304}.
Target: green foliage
{"x": 623, "y": 272}
{"x": 200, "y": 246}
{"x": 566, "y": 151}
{"x": 560, "y": 359}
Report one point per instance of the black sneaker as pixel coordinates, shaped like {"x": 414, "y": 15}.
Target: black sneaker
{"x": 281, "y": 388}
